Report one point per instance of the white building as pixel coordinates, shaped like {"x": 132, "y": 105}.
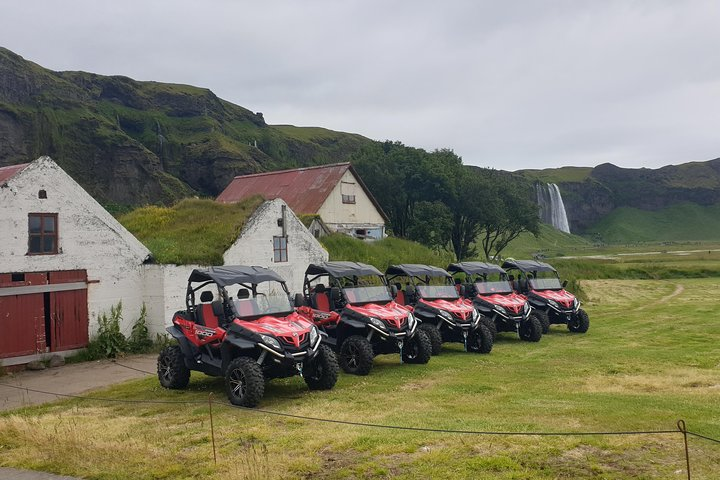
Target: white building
{"x": 275, "y": 238}
{"x": 64, "y": 260}
{"x": 335, "y": 192}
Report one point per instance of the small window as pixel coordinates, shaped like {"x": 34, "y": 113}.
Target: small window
{"x": 42, "y": 194}
{"x": 17, "y": 277}
{"x": 42, "y": 233}
{"x": 280, "y": 253}
{"x": 348, "y": 198}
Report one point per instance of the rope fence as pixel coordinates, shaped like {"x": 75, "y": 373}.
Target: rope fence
{"x": 681, "y": 426}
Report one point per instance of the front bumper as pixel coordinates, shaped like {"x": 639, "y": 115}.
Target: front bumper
{"x": 289, "y": 356}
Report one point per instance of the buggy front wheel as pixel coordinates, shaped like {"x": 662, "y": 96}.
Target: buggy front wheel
{"x": 579, "y": 322}
{"x": 244, "y": 382}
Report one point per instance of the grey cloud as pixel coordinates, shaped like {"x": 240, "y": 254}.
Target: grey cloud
{"x": 506, "y": 84}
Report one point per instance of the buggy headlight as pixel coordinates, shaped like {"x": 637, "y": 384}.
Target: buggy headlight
{"x": 526, "y": 307}
{"x": 552, "y": 303}
{"x": 377, "y": 322}
{"x": 411, "y": 321}
{"x": 314, "y": 335}
{"x": 445, "y": 315}
{"x": 475, "y": 316}
{"x": 500, "y": 309}
{"x": 576, "y": 303}
{"x": 268, "y": 340}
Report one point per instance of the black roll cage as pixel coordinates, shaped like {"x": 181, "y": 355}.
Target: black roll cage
{"x": 222, "y": 292}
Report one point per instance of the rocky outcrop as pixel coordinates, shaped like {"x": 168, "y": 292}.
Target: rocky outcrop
{"x": 609, "y": 186}
{"x": 132, "y": 143}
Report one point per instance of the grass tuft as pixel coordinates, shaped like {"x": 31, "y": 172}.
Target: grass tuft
{"x": 194, "y": 231}
{"x": 382, "y": 253}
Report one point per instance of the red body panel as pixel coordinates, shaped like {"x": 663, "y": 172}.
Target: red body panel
{"x": 562, "y": 297}
{"x": 391, "y": 313}
{"x": 291, "y": 329}
{"x": 199, "y": 334}
{"x": 512, "y": 302}
{"x": 319, "y": 317}
{"x": 457, "y": 307}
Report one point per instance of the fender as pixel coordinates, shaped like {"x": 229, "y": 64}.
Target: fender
{"x": 185, "y": 346}
{"x": 350, "y": 322}
{"x": 231, "y": 343}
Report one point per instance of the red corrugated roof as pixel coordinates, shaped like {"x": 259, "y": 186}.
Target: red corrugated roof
{"x": 303, "y": 189}
{"x": 6, "y": 173}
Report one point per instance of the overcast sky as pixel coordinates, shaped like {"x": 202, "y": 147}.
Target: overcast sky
{"x": 505, "y": 84}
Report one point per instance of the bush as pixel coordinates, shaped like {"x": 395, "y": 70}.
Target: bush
{"x": 110, "y": 341}
{"x": 139, "y": 340}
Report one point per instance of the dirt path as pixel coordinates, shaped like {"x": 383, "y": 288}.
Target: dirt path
{"x": 13, "y": 474}
{"x": 678, "y": 290}
{"x": 72, "y": 379}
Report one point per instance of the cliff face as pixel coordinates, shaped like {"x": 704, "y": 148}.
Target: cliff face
{"x": 607, "y": 187}
{"x": 132, "y": 143}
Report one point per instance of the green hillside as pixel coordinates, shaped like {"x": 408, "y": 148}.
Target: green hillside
{"x": 686, "y": 221}
{"x": 551, "y": 243}
{"x": 131, "y": 143}
{"x": 558, "y": 175}
{"x": 382, "y": 253}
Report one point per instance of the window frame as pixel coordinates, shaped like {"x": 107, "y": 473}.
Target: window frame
{"x": 280, "y": 248}
{"x": 42, "y": 234}
{"x": 348, "y": 199}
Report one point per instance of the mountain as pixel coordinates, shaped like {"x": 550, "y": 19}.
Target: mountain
{"x": 131, "y": 143}
{"x": 591, "y": 194}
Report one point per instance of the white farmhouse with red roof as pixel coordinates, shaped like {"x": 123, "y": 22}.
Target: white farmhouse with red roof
{"x": 334, "y": 192}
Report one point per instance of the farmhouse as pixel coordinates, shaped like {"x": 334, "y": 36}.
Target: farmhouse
{"x": 63, "y": 260}
{"x": 334, "y": 192}
{"x": 270, "y": 235}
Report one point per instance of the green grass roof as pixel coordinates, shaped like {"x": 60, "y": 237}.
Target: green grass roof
{"x": 194, "y": 231}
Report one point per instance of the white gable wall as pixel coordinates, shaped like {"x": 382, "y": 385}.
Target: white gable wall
{"x": 363, "y": 212}
{"x": 254, "y": 246}
{"x": 89, "y": 239}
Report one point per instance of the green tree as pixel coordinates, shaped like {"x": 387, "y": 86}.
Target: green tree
{"x": 431, "y": 225}
{"x": 514, "y": 212}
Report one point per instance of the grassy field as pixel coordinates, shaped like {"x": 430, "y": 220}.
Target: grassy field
{"x": 679, "y": 222}
{"x": 649, "y": 359}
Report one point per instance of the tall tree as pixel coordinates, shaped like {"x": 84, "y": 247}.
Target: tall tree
{"x": 515, "y": 213}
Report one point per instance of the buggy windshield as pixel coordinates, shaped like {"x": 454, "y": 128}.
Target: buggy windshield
{"x": 365, "y": 289}
{"x": 275, "y": 302}
{"x": 367, "y": 294}
{"x": 484, "y": 288}
{"x": 437, "y": 291}
{"x": 545, "y": 284}
{"x": 544, "y": 281}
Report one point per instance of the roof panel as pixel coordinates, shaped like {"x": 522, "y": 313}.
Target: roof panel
{"x": 303, "y": 189}
{"x": 6, "y": 173}
{"x": 474, "y": 267}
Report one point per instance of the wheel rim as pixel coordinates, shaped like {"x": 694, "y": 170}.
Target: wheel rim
{"x": 351, "y": 356}
{"x": 317, "y": 374}
{"x": 413, "y": 351}
{"x": 238, "y": 385}
{"x": 165, "y": 368}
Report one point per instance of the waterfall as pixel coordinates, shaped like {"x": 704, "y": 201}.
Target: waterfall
{"x": 552, "y": 208}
